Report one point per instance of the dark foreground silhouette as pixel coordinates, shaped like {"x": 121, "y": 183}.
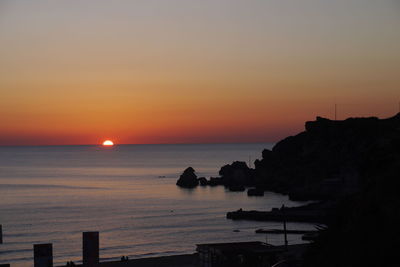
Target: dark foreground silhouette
{"x": 352, "y": 168}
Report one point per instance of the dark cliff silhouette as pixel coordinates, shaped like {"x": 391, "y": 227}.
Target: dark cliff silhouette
{"x": 355, "y": 164}
{"x": 353, "y": 168}
{"x": 364, "y": 228}
{"x": 328, "y": 159}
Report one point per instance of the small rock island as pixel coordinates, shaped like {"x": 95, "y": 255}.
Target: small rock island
{"x": 188, "y": 178}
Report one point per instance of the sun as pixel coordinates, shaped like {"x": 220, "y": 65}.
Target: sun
{"x": 108, "y": 143}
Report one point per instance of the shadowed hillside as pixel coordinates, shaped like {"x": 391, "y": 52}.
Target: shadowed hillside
{"x": 364, "y": 229}
{"x": 327, "y": 160}
{"x": 355, "y": 164}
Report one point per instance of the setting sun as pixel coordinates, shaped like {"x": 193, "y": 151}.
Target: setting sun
{"x": 108, "y": 143}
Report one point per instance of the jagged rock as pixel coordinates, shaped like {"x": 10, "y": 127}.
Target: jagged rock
{"x": 215, "y": 181}
{"x": 237, "y": 173}
{"x": 203, "y": 181}
{"x": 267, "y": 154}
{"x": 188, "y": 179}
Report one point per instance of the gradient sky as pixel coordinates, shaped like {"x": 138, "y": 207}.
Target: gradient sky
{"x": 78, "y": 72}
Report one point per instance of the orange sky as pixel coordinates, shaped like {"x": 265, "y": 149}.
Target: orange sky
{"x": 79, "y": 72}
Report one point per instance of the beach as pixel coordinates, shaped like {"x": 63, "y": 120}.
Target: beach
{"x": 192, "y": 260}
{"x": 185, "y": 260}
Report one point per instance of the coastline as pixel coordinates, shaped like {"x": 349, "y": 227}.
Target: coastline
{"x": 192, "y": 260}
{"x": 183, "y": 260}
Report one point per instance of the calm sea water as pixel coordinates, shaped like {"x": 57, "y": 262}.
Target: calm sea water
{"x": 52, "y": 194}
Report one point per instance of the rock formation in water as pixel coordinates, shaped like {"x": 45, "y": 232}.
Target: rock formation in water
{"x": 326, "y": 161}
{"x": 203, "y": 181}
{"x": 236, "y": 174}
{"x": 353, "y": 165}
{"x": 188, "y": 178}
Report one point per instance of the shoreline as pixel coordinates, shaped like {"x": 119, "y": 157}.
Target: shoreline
{"x": 180, "y": 260}
{"x": 191, "y": 260}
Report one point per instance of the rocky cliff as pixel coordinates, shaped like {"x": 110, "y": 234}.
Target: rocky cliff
{"x": 327, "y": 159}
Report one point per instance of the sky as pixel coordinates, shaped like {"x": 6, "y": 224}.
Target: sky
{"x": 185, "y": 71}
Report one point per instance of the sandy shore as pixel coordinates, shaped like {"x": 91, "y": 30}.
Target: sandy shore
{"x": 186, "y": 260}
{"x": 190, "y": 260}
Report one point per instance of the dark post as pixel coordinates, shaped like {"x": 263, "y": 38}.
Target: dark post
{"x": 284, "y": 226}
{"x": 90, "y": 248}
{"x": 1, "y": 234}
{"x": 43, "y": 255}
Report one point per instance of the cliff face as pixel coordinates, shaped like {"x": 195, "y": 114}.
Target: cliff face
{"x": 329, "y": 158}
{"x": 363, "y": 230}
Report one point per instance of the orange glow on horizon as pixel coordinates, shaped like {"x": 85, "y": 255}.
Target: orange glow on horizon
{"x": 245, "y": 74}
{"x": 108, "y": 143}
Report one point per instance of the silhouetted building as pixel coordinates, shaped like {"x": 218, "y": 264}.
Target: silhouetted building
{"x": 43, "y": 255}
{"x": 90, "y": 248}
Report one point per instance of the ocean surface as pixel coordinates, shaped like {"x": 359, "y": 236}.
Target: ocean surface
{"x": 51, "y": 194}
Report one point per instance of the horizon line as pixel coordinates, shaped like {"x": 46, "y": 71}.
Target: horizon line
{"x": 124, "y": 144}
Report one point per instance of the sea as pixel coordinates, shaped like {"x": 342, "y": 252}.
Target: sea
{"x": 51, "y": 194}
